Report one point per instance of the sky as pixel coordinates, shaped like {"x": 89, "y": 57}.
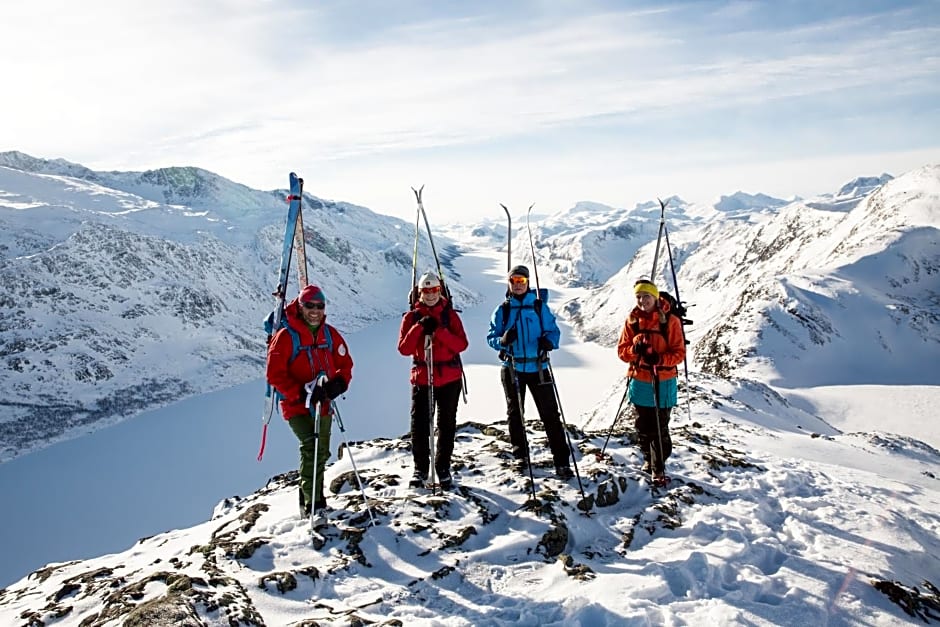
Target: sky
{"x": 548, "y": 101}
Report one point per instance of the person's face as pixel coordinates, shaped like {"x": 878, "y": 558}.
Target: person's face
{"x": 313, "y": 312}
{"x": 518, "y": 284}
{"x": 430, "y": 295}
{"x": 645, "y": 301}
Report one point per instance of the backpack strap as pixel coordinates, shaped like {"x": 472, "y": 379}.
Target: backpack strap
{"x": 537, "y": 306}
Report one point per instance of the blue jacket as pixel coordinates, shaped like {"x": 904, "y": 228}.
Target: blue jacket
{"x": 522, "y": 315}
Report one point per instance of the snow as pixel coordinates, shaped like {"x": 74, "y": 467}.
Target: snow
{"x": 800, "y": 481}
{"x": 779, "y": 527}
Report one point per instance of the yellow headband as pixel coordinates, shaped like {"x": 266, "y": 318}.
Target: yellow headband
{"x": 646, "y": 287}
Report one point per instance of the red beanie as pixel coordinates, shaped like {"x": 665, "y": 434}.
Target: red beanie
{"x": 311, "y": 294}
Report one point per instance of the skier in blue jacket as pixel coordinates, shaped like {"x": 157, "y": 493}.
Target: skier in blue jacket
{"x": 523, "y": 330}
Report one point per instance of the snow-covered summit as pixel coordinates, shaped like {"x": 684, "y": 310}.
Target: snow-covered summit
{"x": 122, "y": 291}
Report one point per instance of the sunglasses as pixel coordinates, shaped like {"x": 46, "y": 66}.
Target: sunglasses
{"x": 518, "y": 280}
{"x": 431, "y": 290}
{"x": 314, "y": 305}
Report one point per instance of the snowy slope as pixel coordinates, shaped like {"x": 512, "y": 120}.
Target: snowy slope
{"x": 742, "y": 536}
{"x": 116, "y": 297}
{"x": 775, "y": 516}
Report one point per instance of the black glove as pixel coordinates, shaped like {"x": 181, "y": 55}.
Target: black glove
{"x": 545, "y": 344}
{"x": 429, "y": 323}
{"x": 503, "y": 355}
{"x": 315, "y": 397}
{"x": 509, "y": 337}
{"x": 650, "y": 357}
{"x": 335, "y": 386}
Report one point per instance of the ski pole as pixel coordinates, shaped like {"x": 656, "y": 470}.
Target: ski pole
{"x": 525, "y": 436}
{"x": 342, "y": 430}
{"x": 429, "y": 360}
{"x": 315, "y": 411}
{"x": 659, "y": 431}
{"x": 564, "y": 423}
{"x": 623, "y": 399}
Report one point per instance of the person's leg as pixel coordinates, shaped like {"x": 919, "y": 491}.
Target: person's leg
{"x": 302, "y": 426}
{"x": 447, "y": 398}
{"x": 649, "y": 429}
{"x": 517, "y": 436}
{"x": 420, "y": 429}
{"x": 323, "y": 454}
{"x": 543, "y": 393}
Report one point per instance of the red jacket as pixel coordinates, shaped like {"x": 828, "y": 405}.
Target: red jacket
{"x": 446, "y": 343}
{"x": 671, "y": 348}
{"x": 289, "y": 376}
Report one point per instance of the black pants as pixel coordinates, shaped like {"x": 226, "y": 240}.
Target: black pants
{"x": 446, "y": 398}
{"x": 649, "y": 436}
{"x": 543, "y": 394}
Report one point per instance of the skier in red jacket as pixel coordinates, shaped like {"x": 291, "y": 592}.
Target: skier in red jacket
{"x": 433, "y": 319}
{"x": 309, "y": 360}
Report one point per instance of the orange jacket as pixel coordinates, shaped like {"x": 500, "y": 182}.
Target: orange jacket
{"x": 288, "y": 375}
{"x": 671, "y": 347}
{"x": 446, "y": 343}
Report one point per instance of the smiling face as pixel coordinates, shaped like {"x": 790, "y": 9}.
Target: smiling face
{"x": 430, "y": 295}
{"x": 646, "y": 302}
{"x": 313, "y": 312}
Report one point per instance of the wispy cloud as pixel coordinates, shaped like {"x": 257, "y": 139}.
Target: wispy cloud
{"x": 245, "y": 87}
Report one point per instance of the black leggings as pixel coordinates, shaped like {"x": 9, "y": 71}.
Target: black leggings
{"x": 649, "y": 436}
{"x": 446, "y": 398}
{"x": 543, "y": 393}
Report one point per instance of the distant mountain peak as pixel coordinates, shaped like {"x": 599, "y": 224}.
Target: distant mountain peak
{"x": 864, "y": 185}
{"x": 742, "y": 201}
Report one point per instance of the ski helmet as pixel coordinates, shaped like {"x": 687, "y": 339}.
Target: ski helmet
{"x": 428, "y": 279}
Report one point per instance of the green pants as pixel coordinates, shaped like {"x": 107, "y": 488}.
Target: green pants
{"x": 304, "y": 428}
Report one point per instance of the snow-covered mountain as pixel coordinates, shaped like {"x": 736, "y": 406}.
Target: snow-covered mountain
{"x": 741, "y": 537}
{"x": 125, "y": 290}
{"x": 775, "y": 515}
{"x": 803, "y": 281}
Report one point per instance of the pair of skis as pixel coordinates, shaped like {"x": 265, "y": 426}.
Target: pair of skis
{"x": 428, "y": 345}
{"x": 543, "y": 296}
{"x": 293, "y": 244}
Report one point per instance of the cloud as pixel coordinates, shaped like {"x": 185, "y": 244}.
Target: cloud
{"x": 253, "y": 89}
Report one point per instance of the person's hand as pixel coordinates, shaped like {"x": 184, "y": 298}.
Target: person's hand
{"x": 545, "y": 344}
{"x": 503, "y": 355}
{"x": 335, "y": 386}
{"x": 509, "y": 337}
{"x": 314, "y": 389}
{"x": 650, "y": 357}
{"x": 429, "y": 323}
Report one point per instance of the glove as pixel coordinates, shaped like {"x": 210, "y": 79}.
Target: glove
{"x": 503, "y": 356}
{"x": 335, "y": 386}
{"x": 640, "y": 348}
{"x": 650, "y": 357}
{"x": 545, "y": 344}
{"x": 316, "y": 393}
{"x": 429, "y": 323}
{"x": 509, "y": 337}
